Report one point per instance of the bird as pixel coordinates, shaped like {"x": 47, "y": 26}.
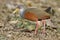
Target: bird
{"x": 35, "y": 14}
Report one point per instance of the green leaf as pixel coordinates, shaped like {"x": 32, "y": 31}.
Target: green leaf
{"x": 30, "y": 27}
{"x": 20, "y": 25}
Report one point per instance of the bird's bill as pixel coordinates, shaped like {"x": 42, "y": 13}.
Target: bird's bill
{"x": 16, "y": 10}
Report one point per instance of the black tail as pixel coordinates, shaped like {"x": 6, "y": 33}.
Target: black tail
{"x": 50, "y": 10}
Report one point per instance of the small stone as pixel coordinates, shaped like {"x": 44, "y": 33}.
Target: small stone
{"x": 13, "y": 22}
{"x": 1, "y": 25}
{"x": 9, "y": 35}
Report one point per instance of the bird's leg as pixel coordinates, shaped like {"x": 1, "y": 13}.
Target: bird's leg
{"x": 44, "y": 23}
{"x": 37, "y": 26}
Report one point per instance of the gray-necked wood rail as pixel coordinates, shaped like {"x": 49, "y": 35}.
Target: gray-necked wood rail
{"x": 35, "y": 14}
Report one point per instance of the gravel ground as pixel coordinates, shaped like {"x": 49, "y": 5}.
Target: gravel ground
{"x": 13, "y": 27}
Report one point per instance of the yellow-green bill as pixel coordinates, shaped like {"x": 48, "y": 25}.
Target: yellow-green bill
{"x": 16, "y": 10}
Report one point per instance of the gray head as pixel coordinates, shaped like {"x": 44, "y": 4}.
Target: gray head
{"x": 20, "y": 6}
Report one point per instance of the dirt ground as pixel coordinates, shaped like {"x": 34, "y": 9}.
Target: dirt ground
{"x": 12, "y": 27}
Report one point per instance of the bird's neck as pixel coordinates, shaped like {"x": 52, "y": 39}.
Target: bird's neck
{"x": 22, "y": 12}
{"x": 21, "y": 9}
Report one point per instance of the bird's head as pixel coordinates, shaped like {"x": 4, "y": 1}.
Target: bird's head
{"x": 18, "y": 8}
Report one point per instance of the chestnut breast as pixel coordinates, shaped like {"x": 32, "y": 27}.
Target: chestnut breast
{"x": 30, "y": 16}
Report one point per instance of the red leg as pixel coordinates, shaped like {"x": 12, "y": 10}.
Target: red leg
{"x": 37, "y": 26}
{"x": 44, "y": 23}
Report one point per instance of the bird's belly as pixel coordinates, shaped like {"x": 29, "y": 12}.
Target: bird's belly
{"x": 44, "y": 17}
